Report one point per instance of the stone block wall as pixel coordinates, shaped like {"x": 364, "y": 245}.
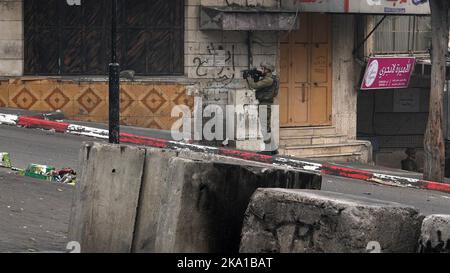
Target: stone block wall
{"x": 11, "y": 38}
{"x": 206, "y": 50}
{"x": 214, "y": 60}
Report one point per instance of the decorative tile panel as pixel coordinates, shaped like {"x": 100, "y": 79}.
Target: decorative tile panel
{"x": 141, "y": 104}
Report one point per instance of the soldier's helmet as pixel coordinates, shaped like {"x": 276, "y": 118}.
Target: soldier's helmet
{"x": 268, "y": 66}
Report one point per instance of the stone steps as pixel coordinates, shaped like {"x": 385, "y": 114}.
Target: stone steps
{"x": 312, "y": 140}
{"x": 339, "y": 158}
{"x": 323, "y": 144}
{"x": 307, "y": 131}
{"x": 351, "y": 151}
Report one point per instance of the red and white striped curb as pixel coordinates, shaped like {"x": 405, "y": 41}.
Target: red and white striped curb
{"x": 8, "y": 119}
{"x": 282, "y": 161}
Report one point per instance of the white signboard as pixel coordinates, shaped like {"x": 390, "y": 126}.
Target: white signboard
{"x": 359, "y": 6}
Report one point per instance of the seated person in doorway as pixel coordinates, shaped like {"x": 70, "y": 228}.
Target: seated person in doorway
{"x": 410, "y": 164}
{"x": 266, "y": 86}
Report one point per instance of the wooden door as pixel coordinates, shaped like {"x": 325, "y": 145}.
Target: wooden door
{"x": 305, "y": 74}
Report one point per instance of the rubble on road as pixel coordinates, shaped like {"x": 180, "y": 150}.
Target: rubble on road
{"x": 5, "y": 160}
{"x": 50, "y": 173}
{"x": 41, "y": 172}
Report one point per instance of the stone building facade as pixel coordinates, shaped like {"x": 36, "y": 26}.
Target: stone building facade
{"x": 312, "y": 51}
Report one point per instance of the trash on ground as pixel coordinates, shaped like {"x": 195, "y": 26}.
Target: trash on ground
{"x": 37, "y": 171}
{"x": 50, "y": 173}
{"x": 5, "y": 160}
{"x": 64, "y": 176}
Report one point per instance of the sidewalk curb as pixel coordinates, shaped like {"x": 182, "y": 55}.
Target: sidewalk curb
{"x": 391, "y": 180}
{"x": 282, "y": 161}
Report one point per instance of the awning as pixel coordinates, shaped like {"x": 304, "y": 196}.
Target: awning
{"x": 247, "y": 19}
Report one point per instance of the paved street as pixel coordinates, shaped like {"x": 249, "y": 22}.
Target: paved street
{"x": 429, "y": 202}
{"x": 41, "y": 147}
{"x": 45, "y": 147}
{"x": 34, "y": 214}
{"x": 60, "y": 150}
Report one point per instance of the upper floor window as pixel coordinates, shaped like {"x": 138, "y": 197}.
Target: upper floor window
{"x": 62, "y": 39}
{"x": 402, "y": 34}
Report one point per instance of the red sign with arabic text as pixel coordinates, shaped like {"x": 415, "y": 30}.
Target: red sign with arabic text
{"x": 388, "y": 73}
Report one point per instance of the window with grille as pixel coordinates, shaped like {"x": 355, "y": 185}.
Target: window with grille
{"x": 62, "y": 39}
{"x": 403, "y": 34}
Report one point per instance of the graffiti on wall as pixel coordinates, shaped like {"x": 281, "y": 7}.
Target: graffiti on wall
{"x": 438, "y": 245}
{"x": 248, "y": 3}
{"x": 218, "y": 64}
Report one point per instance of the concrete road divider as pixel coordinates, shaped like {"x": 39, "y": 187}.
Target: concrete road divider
{"x": 302, "y": 221}
{"x": 104, "y": 208}
{"x": 435, "y": 237}
{"x": 33, "y": 122}
{"x": 132, "y": 199}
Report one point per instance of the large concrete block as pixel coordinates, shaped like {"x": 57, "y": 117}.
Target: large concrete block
{"x": 302, "y": 221}
{"x": 435, "y": 237}
{"x": 192, "y": 202}
{"x": 131, "y": 199}
{"x": 105, "y": 200}
{"x": 154, "y": 193}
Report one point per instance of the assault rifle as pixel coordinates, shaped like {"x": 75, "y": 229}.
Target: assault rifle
{"x": 253, "y": 73}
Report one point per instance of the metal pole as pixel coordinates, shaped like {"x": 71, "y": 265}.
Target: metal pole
{"x": 114, "y": 82}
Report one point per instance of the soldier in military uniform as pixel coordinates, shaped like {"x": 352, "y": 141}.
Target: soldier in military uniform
{"x": 266, "y": 90}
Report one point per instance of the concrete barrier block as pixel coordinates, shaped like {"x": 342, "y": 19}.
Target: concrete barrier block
{"x": 308, "y": 179}
{"x": 153, "y": 200}
{"x": 197, "y": 205}
{"x": 435, "y": 236}
{"x": 303, "y": 221}
{"x": 105, "y": 201}
{"x": 154, "y": 194}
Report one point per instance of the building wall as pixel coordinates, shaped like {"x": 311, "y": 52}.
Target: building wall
{"x": 266, "y": 48}
{"x": 217, "y": 83}
{"x": 345, "y": 76}
{"x": 202, "y": 48}
{"x": 143, "y": 104}
{"x": 205, "y": 52}
{"x": 11, "y": 38}
{"x": 394, "y": 120}
{"x": 213, "y": 64}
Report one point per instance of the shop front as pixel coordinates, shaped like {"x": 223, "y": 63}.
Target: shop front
{"x": 183, "y": 50}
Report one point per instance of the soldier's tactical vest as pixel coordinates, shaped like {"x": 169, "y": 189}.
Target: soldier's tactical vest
{"x": 267, "y": 94}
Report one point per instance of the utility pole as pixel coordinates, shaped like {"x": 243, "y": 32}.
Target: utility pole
{"x": 434, "y": 168}
{"x": 114, "y": 82}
